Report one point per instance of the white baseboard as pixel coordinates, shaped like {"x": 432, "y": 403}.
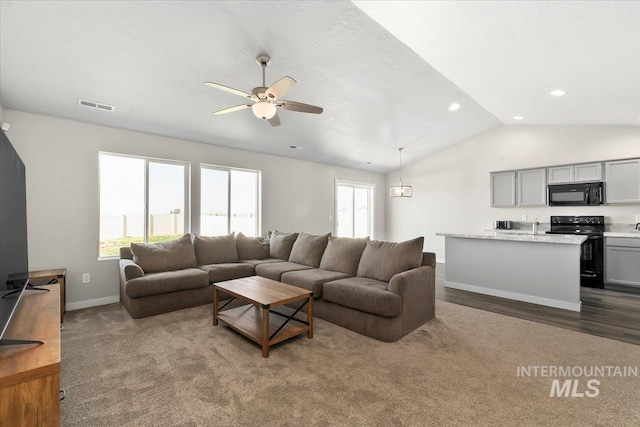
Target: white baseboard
{"x": 92, "y": 303}
{"x": 515, "y": 296}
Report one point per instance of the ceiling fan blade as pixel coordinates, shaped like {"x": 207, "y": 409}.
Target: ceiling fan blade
{"x": 299, "y": 106}
{"x": 232, "y": 109}
{"x": 228, "y": 89}
{"x": 279, "y": 88}
{"x": 274, "y": 121}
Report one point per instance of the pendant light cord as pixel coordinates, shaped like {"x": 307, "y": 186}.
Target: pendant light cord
{"x": 400, "y": 172}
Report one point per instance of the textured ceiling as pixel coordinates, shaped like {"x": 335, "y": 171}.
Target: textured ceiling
{"x": 509, "y": 55}
{"x": 385, "y": 72}
{"x": 150, "y": 60}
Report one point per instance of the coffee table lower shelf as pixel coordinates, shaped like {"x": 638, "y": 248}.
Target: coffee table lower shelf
{"x": 247, "y": 320}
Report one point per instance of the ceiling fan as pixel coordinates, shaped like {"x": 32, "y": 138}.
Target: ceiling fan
{"x": 267, "y": 100}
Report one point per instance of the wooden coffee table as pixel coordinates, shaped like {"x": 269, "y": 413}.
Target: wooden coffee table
{"x": 254, "y": 320}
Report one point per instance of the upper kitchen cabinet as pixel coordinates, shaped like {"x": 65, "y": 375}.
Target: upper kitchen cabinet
{"x": 623, "y": 181}
{"x": 587, "y": 172}
{"x": 532, "y": 187}
{"x": 503, "y": 189}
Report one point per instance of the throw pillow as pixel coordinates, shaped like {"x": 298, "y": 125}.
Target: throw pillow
{"x": 308, "y": 249}
{"x": 383, "y": 260}
{"x": 251, "y": 248}
{"x": 280, "y": 244}
{"x": 165, "y": 256}
{"x": 216, "y": 249}
{"x": 343, "y": 254}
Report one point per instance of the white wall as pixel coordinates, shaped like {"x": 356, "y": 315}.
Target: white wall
{"x": 451, "y": 187}
{"x": 61, "y": 157}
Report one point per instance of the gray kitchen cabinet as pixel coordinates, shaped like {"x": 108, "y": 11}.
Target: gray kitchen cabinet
{"x": 560, "y": 174}
{"x": 503, "y": 189}
{"x": 532, "y": 187}
{"x": 622, "y": 184}
{"x": 622, "y": 261}
{"x": 587, "y": 172}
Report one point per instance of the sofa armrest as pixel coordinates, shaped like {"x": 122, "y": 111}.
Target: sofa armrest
{"x": 129, "y": 270}
{"x": 406, "y": 282}
{"x": 429, "y": 259}
{"x": 417, "y": 288}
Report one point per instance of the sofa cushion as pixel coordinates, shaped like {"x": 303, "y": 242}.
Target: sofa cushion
{"x": 343, "y": 254}
{"x": 256, "y": 262}
{"x": 229, "y": 271}
{"x": 215, "y": 249}
{"x": 364, "y": 294}
{"x": 165, "y": 256}
{"x": 274, "y": 270}
{"x": 251, "y": 247}
{"x": 125, "y": 253}
{"x": 280, "y": 244}
{"x": 308, "y": 249}
{"x": 166, "y": 281}
{"x": 311, "y": 280}
{"x": 383, "y": 260}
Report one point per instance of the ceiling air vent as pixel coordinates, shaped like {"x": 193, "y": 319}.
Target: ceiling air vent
{"x": 98, "y": 105}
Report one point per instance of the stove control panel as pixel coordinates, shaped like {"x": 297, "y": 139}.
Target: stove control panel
{"x": 578, "y": 220}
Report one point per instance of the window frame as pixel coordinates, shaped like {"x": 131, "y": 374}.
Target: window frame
{"x": 354, "y": 184}
{"x": 146, "y": 219}
{"x": 228, "y": 169}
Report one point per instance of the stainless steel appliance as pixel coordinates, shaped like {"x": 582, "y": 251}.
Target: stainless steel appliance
{"x": 503, "y": 225}
{"x": 592, "y": 257}
{"x": 579, "y": 194}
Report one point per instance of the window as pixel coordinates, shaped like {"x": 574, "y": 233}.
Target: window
{"x": 141, "y": 200}
{"x": 354, "y": 209}
{"x": 230, "y": 200}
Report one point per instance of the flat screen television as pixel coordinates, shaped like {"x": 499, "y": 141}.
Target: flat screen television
{"x": 14, "y": 258}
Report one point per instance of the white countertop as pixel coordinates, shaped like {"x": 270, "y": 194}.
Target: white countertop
{"x": 633, "y": 234}
{"x": 523, "y": 236}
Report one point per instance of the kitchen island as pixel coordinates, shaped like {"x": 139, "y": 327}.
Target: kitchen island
{"x": 536, "y": 268}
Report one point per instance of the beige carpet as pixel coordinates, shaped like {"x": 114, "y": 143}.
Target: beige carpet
{"x": 177, "y": 369}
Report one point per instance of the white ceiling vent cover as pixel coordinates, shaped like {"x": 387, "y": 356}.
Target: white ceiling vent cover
{"x": 97, "y": 105}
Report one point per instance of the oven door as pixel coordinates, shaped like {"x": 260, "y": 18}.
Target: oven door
{"x": 568, "y": 195}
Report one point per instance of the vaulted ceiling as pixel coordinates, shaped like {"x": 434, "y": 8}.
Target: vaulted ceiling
{"x": 385, "y": 73}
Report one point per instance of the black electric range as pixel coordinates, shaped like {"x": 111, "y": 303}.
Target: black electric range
{"x": 592, "y": 257}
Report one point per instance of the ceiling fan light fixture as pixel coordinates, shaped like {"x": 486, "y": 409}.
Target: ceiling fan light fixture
{"x": 264, "y": 110}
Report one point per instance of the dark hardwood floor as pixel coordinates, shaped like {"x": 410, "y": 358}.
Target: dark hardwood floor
{"x": 605, "y": 313}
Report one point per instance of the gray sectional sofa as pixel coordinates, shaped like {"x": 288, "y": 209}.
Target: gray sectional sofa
{"x": 380, "y": 289}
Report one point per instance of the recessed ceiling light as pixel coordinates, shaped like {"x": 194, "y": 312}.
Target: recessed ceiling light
{"x": 518, "y": 117}
{"x": 454, "y": 106}
{"x": 557, "y": 92}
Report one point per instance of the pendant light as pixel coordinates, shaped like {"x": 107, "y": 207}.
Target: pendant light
{"x": 401, "y": 189}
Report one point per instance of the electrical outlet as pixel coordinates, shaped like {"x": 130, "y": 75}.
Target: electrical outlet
{"x": 86, "y": 278}
{"x": 524, "y": 217}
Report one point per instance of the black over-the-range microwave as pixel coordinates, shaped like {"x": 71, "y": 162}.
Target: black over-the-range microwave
{"x": 578, "y": 194}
